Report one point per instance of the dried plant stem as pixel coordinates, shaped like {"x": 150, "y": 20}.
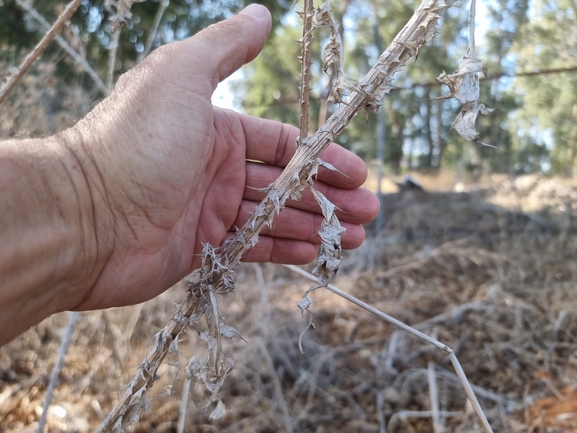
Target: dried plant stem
{"x": 114, "y": 41}
{"x": 129, "y": 406}
{"x": 115, "y": 337}
{"x": 183, "y": 405}
{"x": 434, "y": 397}
{"x": 471, "y": 51}
{"x": 381, "y": 411}
{"x": 406, "y": 414}
{"x": 72, "y": 319}
{"x": 35, "y": 53}
{"x": 285, "y": 418}
{"x": 456, "y": 365}
{"x": 216, "y": 274}
{"x": 305, "y": 75}
{"x": 65, "y": 45}
{"x": 152, "y": 35}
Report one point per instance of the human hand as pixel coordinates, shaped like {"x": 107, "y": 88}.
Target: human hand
{"x": 168, "y": 171}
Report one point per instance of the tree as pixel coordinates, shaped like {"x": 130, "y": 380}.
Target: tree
{"x": 417, "y": 126}
{"x": 549, "y": 105}
{"x": 57, "y": 91}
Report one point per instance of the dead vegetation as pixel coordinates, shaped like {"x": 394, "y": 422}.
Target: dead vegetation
{"x": 496, "y": 284}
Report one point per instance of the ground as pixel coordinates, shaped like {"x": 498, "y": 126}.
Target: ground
{"x": 491, "y": 271}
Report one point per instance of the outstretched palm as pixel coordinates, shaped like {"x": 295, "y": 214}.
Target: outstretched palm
{"x": 176, "y": 178}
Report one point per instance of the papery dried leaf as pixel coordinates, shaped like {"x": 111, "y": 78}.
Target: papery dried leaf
{"x": 208, "y": 339}
{"x": 295, "y": 195}
{"x": 304, "y": 303}
{"x": 464, "y": 124}
{"x": 464, "y": 86}
{"x": 330, "y": 251}
{"x": 230, "y": 332}
{"x": 464, "y": 82}
{"x": 330, "y": 233}
{"x": 327, "y": 207}
{"x": 122, "y": 13}
{"x": 225, "y": 366}
{"x": 194, "y": 367}
{"x": 218, "y": 412}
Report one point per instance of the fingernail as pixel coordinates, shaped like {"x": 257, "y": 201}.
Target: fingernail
{"x": 254, "y": 10}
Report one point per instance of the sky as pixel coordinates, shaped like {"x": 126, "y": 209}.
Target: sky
{"x": 223, "y": 97}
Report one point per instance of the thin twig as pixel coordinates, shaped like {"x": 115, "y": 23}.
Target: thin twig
{"x": 33, "y": 56}
{"x": 456, "y": 365}
{"x": 434, "y": 397}
{"x": 471, "y": 51}
{"x": 114, "y": 42}
{"x": 381, "y": 411}
{"x": 405, "y": 414}
{"x": 65, "y": 45}
{"x": 183, "y": 405}
{"x": 72, "y": 319}
{"x": 305, "y": 76}
{"x": 152, "y": 34}
{"x": 115, "y": 336}
{"x": 277, "y": 386}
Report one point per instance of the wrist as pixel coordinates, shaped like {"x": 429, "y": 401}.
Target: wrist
{"x": 51, "y": 254}
{"x": 82, "y": 186}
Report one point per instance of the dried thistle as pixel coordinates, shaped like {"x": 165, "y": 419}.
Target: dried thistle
{"x": 216, "y": 274}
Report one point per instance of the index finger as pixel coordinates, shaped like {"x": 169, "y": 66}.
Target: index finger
{"x": 274, "y": 143}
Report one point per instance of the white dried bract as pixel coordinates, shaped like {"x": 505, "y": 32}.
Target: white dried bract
{"x": 464, "y": 86}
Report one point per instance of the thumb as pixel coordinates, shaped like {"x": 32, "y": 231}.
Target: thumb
{"x": 224, "y": 47}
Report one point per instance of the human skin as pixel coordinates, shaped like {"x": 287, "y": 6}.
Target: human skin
{"x": 115, "y": 210}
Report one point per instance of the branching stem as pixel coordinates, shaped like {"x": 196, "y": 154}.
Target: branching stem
{"x": 215, "y": 273}
{"x": 80, "y": 59}
{"x": 39, "y": 49}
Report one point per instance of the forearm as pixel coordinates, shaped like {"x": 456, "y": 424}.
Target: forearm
{"x": 48, "y": 252}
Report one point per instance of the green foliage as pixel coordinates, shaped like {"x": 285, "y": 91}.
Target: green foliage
{"x": 549, "y": 42}
{"x": 271, "y": 87}
{"x": 534, "y": 125}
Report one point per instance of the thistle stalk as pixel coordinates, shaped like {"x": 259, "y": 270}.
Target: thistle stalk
{"x": 216, "y": 274}
{"x": 305, "y": 75}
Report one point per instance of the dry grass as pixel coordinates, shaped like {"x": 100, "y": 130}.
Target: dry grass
{"x": 496, "y": 284}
